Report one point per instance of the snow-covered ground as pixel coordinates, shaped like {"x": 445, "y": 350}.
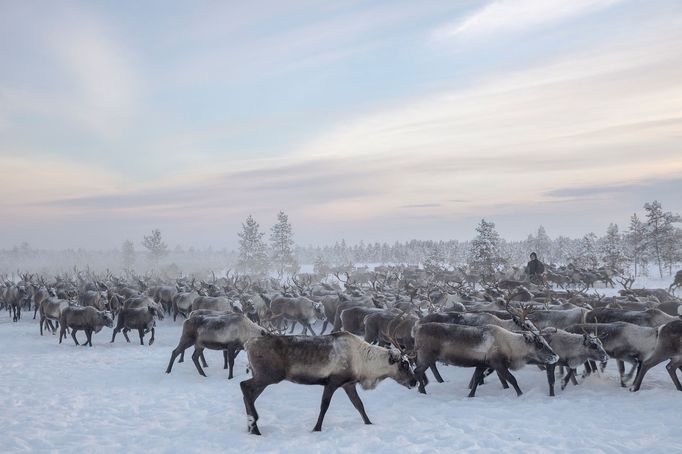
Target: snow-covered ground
{"x": 117, "y": 398}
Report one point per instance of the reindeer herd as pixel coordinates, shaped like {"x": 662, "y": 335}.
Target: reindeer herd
{"x": 392, "y": 322}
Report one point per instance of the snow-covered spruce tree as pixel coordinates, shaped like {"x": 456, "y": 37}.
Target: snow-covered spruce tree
{"x": 128, "y": 254}
{"x": 156, "y": 248}
{"x": 253, "y": 258}
{"x": 282, "y": 246}
{"x": 541, "y": 244}
{"x": 563, "y": 250}
{"x": 586, "y": 253}
{"x": 485, "y": 255}
{"x": 321, "y": 266}
{"x": 611, "y": 249}
{"x": 661, "y": 231}
{"x": 436, "y": 255}
{"x": 636, "y": 242}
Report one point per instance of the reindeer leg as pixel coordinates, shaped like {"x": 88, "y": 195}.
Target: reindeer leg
{"x": 476, "y": 379}
{"x": 505, "y": 385}
{"x": 310, "y": 328}
{"x": 324, "y": 327}
{"x": 509, "y": 377}
{"x": 629, "y": 375}
{"x": 355, "y": 400}
{"x": 203, "y": 359}
{"x": 671, "y": 367}
{"x": 574, "y": 379}
{"x": 420, "y": 375}
{"x": 436, "y": 374}
{"x": 293, "y": 323}
{"x": 644, "y": 367}
{"x": 141, "y": 332}
{"x": 567, "y": 377}
{"x": 151, "y": 340}
{"x": 182, "y": 346}
{"x": 125, "y": 334}
{"x": 73, "y": 334}
{"x": 251, "y": 389}
{"x": 621, "y": 372}
{"x": 327, "y": 394}
{"x": 231, "y": 355}
{"x": 195, "y": 358}
{"x": 88, "y": 333}
{"x": 551, "y": 378}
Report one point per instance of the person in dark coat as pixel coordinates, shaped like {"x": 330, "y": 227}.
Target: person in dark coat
{"x": 535, "y": 268}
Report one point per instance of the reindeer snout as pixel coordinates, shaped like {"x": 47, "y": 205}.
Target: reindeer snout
{"x": 553, "y": 359}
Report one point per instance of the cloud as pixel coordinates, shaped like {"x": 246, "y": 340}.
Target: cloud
{"x": 643, "y": 190}
{"x": 423, "y": 205}
{"x": 93, "y": 85}
{"x": 503, "y": 16}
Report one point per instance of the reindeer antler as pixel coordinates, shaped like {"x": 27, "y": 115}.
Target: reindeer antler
{"x": 390, "y": 335}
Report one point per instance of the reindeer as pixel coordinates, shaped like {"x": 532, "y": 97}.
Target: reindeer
{"x": 163, "y": 294}
{"x": 86, "y": 318}
{"x": 483, "y": 347}
{"x": 339, "y": 360}
{"x": 573, "y": 350}
{"x": 668, "y": 346}
{"x": 649, "y": 317}
{"x": 15, "y": 297}
{"x": 622, "y": 341}
{"x": 142, "y": 319}
{"x": 300, "y": 309}
{"x": 39, "y": 293}
{"x": 227, "y": 332}
{"x": 50, "y": 311}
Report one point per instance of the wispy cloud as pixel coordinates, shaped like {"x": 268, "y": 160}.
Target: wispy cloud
{"x": 646, "y": 190}
{"x": 502, "y": 16}
{"x": 190, "y": 122}
{"x": 93, "y": 85}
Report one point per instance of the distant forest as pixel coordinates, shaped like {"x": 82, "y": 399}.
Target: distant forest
{"x": 650, "y": 243}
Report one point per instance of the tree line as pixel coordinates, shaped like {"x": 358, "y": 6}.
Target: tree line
{"x": 651, "y": 241}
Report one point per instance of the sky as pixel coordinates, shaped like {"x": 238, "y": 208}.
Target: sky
{"x": 374, "y": 121}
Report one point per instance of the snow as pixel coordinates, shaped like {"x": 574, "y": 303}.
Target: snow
{"x": 116, "y": 397}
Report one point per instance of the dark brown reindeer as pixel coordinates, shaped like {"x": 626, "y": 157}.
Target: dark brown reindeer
{"x": 86, "y": 318}
{"x": 142, "y": 319}
{"x": 339, "y": 360}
